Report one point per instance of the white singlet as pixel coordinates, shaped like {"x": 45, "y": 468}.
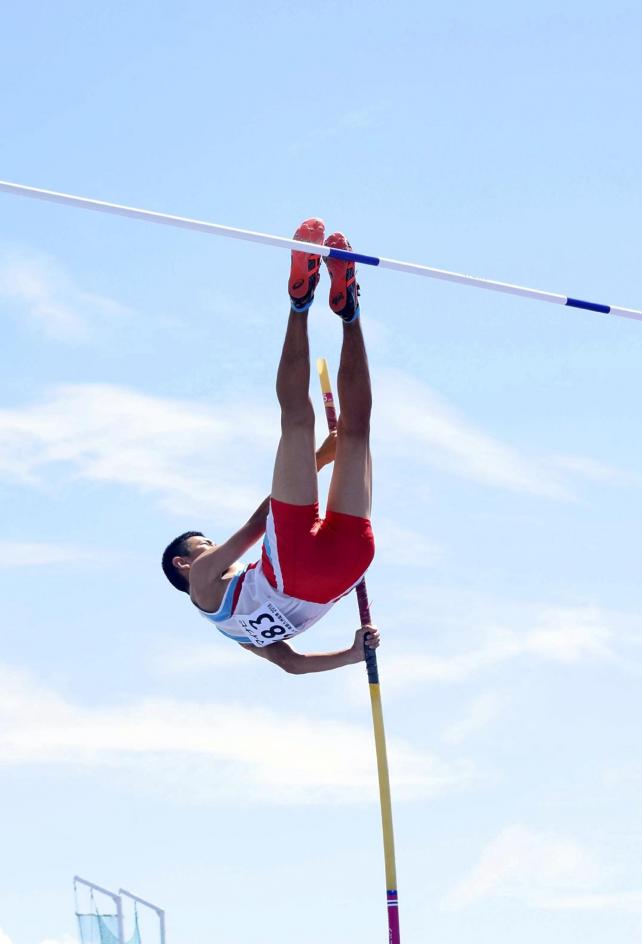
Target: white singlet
{"x": 257, "y": 614}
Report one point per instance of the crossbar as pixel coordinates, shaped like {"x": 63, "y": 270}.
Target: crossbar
{"x": 216, "y": 229}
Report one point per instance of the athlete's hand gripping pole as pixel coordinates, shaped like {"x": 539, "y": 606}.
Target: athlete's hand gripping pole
{"x": 377, "y": 712}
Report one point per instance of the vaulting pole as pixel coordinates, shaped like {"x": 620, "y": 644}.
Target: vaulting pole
{"x": 392, "y": 902}
{"x": 216, "y": 229}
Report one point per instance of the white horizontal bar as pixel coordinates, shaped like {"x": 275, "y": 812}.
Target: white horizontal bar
{"x": 472, "y": 280}
{"x": 165, "y": 219}
{"x": 626, "y": 313}
{"x": 182, "y": 222}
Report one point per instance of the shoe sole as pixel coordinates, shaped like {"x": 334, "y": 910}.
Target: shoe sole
{"x": 343, "y": 275}
{"x": 305, "y": 266}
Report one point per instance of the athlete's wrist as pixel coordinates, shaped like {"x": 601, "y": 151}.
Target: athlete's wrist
{"x": 322, "y": 460}
{"x": 327, "y": 451}
{"x": 356, "y": 653}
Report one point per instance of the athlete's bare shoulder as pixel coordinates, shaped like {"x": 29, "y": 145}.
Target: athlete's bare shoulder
{"x": 209, "y": 563}
{"x": 208, "y": 582}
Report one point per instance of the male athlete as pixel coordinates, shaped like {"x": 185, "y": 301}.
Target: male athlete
{"x": 307, "y": 563}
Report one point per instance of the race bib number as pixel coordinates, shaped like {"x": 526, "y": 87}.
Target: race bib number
{"x": 267, "y": 625}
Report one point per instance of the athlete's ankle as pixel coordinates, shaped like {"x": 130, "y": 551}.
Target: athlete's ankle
{"x": 354, "y": 325}
{"x": 353, "y": 320}
{"x": 301, "y": 307}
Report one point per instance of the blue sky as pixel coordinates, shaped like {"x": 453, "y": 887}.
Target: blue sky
{"x": 140, "y": 750}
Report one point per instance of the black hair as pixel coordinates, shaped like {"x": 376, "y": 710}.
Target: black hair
{"x": 178, "y": 548}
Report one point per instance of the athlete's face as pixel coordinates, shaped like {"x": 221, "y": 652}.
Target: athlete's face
{"x": 197, "y": 546}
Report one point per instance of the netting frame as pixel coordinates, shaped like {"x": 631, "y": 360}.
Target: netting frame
{"x": 160, "y": 913}
{"x": 116, "y": 898}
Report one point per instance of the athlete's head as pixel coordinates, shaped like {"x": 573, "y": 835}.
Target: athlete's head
{"x": 179, "y": 556}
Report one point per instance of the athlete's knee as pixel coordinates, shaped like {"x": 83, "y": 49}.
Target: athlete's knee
{"x": 297, "y": 416}
{"x": 355, "y": 425}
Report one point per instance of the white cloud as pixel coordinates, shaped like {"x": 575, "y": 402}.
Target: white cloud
{"x": 38, "y": 554}
{"x": 413, "y": 419}
{"x": 627, "y": 774}
{"x": 417, "y": 422}
{"x": 185, "y": 660}
{"x": 65, "y": 939}
{"x": 36, "y": 288}
{"x": 4, "y": 938}
{"x": 403, "y": 546}
{"x": 621, "y": 901}
{"x": 565, "y": 634}
{"x": 596, "y": 471}
{"x": 523, "y": 864}
{"x": 482, "y": 712}
{"x": 356, "y": 120}
{"x": 193, "y": 458}
{"x": 207, "y": 750}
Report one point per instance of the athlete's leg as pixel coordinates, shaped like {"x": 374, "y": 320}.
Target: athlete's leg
{"x": 351, "y": 484}
{"x": 295, "y": 471}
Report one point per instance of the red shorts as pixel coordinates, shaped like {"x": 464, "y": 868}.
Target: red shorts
{"x": 313, "y": 558}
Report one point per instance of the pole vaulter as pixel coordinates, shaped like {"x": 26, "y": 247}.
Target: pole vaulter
{"x": 215, "y": 229}
{"x": 392, "y": 900}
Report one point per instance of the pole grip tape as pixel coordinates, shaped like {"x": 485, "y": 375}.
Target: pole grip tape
{"x": 371, "y": 666}
{"x": 364, "y": 614}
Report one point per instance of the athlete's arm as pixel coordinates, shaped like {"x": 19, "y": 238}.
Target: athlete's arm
{"x": 327, "y": 450}
{"x": 299, "y": 663}
{"x": 214, "y": 561}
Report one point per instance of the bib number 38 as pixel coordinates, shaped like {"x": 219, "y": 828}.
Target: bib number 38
{"x": 267, "y": 625}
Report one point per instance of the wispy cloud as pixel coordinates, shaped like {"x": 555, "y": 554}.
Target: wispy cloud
{"x": 403, "y": 546}
{"x": 39, "y": 554}
{"x": 564, "y": 635}
{"x": 417, "y": 422}
{"x": 628, "y": 774}
{"x": 194, "y": 459}
{"x": 193, "y": 659}
{"x": 600, "y": 901}
{"x": 35, "y": 288}
{"x": 412, "y": 418}
{"x": 347, "y": 123}
{"x": 596, "y": 471}
{"x": 189, "y": 456}
{"x": 65, "y": 939}
{"x": 212, "y": 750}
{"x": 481, "y": 713}
{"x": 523, "y": 864}
{"x": 542, "y": 870}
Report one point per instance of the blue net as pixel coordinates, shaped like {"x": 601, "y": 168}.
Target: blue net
{"x": 103, "y": 929}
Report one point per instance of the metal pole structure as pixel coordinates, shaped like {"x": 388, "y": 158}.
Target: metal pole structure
{"x": 392, "y": 897}
{"x": 116, "y": 899}
{"x": 148, "y": 904}
{"x": 216, "y": 229}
